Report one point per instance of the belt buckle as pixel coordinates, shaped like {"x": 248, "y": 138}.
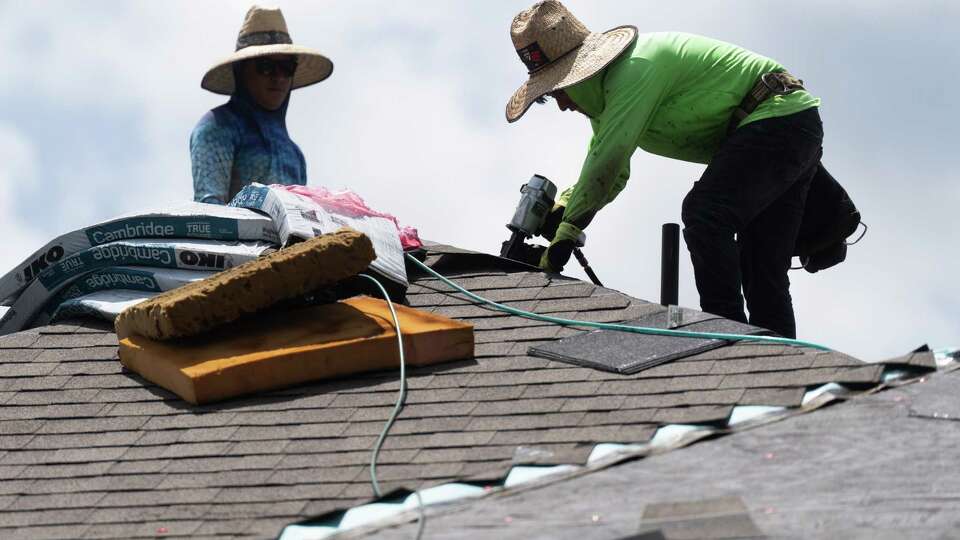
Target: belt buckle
{"x": 778, "y": 86}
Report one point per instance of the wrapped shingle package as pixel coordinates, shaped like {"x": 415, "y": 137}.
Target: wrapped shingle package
{"x": 145, "y": 281}
{"x": 298, "y": 218}
{"x": 104, "y": 305}
{"x": 208, "y": 255}
{"x": 190, "y": 220}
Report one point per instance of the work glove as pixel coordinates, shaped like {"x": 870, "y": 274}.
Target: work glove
{"x": 561, "y": 247}
{"x": 552, "y": 221}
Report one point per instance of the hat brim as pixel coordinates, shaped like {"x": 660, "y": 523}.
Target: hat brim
{"x": 594, "y": 54}
{"x": 312, "y": 67}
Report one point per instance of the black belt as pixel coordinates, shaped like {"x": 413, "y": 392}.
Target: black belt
{"x": 777, "y": 83}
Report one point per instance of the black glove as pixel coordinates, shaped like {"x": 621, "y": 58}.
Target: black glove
{"x": 557, "y": 255}
{"x": 549, "y": 228}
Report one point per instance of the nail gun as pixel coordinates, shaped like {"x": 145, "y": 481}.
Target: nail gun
{"x": 536, "y": 201}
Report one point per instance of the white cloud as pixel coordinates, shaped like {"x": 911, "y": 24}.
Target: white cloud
{"x": 17, "y": 165}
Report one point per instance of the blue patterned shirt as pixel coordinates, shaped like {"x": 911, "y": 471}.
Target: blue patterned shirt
{"x": 238, "y": 143}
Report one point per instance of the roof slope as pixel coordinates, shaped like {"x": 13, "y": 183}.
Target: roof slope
{"x": 878, "y": 466}
{"x": 91, "y": 450}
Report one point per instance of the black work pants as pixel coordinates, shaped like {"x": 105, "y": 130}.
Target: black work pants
{"x": 742, "y": 217}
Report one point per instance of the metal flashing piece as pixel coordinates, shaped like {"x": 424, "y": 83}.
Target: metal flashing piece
{"x": 622, "y": 352}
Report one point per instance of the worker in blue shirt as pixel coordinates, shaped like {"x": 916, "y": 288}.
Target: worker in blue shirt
{"x": 246, "y": 140}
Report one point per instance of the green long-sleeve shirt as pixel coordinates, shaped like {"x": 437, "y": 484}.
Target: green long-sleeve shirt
{"x": 670, "y": 94}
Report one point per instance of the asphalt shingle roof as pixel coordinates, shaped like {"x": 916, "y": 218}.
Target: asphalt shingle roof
{"x": 88, "y": 449}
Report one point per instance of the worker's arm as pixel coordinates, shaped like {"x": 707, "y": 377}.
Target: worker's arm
{"x": 632, "y": 91}
{"x": 212, "y": 149}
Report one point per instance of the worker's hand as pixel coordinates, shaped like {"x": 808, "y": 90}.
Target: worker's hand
{"x": 557, "y": 255}
{"x": 550, "y": 224}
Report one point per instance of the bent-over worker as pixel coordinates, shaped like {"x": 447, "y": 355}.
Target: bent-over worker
{"x": 694, "y": 99}
{"x": 246, "y": 140}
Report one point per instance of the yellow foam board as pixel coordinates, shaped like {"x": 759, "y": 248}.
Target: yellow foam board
{"x": 282, "y": 348}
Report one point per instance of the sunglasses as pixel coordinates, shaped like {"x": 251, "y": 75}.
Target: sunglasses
{"x": 269, "y": 67}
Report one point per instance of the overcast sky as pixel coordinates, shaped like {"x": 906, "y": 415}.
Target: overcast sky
{"x": 99, "y": 98}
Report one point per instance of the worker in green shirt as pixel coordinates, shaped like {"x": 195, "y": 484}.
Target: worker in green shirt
{"x": 694, "y": 99}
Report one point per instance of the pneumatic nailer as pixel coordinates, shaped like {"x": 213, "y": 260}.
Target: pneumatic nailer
{"x": 536, "y": 201}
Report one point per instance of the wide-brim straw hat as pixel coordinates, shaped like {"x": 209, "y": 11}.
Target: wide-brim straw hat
{"x": 559, "y": 51}
{"x": 264, "y": 32}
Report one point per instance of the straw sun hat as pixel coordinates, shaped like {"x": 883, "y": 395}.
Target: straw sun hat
{"x": 559, "y": 51}
{"x": 264, "y": 32}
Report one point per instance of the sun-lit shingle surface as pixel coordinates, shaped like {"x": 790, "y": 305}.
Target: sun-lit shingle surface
{"x": 88, "y": 449}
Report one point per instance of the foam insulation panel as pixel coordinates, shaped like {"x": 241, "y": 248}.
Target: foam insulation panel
{"x": 250, "y": 287}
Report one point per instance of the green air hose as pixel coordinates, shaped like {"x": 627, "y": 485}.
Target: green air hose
{"x": 616, "y": 327}
{"x": 401, "y": 401}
